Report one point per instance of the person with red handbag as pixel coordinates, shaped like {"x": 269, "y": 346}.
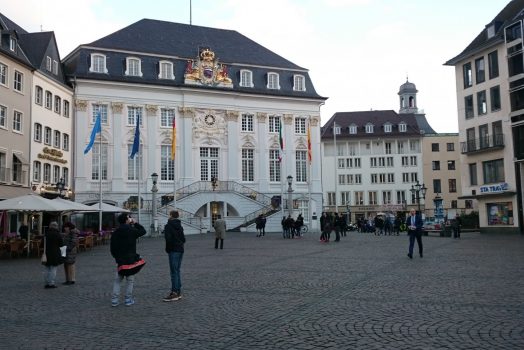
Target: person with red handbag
{"x": 123, "y": 249}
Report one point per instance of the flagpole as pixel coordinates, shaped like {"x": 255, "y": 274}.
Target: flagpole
{"x": 139, "y": 180}
{"x": 310, "y": 159}
{"x": 100, "y": 182}
{"x": 336, "y": 160}
{"x": 173, "y": 156}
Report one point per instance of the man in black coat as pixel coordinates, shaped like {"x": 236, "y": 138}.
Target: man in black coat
{"x": 175, "y": 239}
{"x": 123, "y": 249}
{"x": 52, "y": 242}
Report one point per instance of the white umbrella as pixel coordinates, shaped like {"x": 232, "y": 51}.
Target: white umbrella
{"x": 73, "y": 206}
{"x": 31, "y": 203}
{"x": 108, "y": 208}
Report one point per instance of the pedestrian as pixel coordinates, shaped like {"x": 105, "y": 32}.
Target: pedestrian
{"x": 457, "y": 222}
{"x": 396, "y": 225}
{"x": 175, "y": 239}
{"x": 52, "y": 243}
{"x": 123, "y": 249}
{"x": 264, "y": 220}
{"x": 220, "y": 231}
{"x": 258, "y": 223}
{"x": 298, "y": 225}
{"x": 23, "y": 231}
{"x": 323, "y": 220}
{"x": 71, "y": 241}
{"x": 326, "y": 232}
{"x": 290, "y": 227}
{"x": 415, "y": 224}
{"x": 284, "y": 230}
{"x": 336, "y": 224}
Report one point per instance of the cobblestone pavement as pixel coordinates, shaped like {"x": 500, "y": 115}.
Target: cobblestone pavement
{"x": 271, "y": 293}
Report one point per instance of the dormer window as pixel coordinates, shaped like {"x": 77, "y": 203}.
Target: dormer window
{"x": 133, "y": 67}
{"x": 387, "y": 127}
{"x": 369, "y": 128}
{"x": 299, "y": 83}
{"x": 246, "y": 78}
{"x": 55, "y": 67}
{"x": 98, "y": 63}
{"x": 12, "y": 44}
{"x": 165, "y": 70}
{"x": 490, "y": 30}
{"x": 48, "y": 63}
{"x": 272, "y": 81}
{"x": 402, "y": 127}
{"x": 353, "y": 129}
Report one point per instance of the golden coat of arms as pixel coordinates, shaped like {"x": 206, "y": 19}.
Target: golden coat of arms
{"x": 206, "y": 70}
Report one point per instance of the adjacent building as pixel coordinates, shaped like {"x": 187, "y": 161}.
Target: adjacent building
{"x": 489, "y": 81}
{"x": 244, "y": 122}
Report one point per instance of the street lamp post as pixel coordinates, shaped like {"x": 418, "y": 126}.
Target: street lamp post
{"x": 154, "y": 213}
{"x": 290, "y": 194}
{"x": 419, "y": 191}
{"x": 348, "y": 206}
{"x": 60, "y": 187}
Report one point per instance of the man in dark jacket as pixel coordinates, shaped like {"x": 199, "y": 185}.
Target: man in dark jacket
{"x": 52, "y": 242}
{"x": 175, "y": 239}
{"x": 123, "y": 249}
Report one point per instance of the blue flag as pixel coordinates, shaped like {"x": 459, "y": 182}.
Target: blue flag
{"x": 136, "y": 142}
{"x": 96, "y": 129}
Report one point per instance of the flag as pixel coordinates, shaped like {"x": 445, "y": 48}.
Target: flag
{"x": 173, "y": 140}
{"x": 96, "y": 129}
{"x": 309, "y": 152}
{"x": 136, "y": 142}
{"x": 281, "y": 142}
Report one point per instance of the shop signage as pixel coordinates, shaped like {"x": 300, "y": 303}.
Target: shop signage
{"x": 502, "y": 187}
{"x": 52, "y": 154}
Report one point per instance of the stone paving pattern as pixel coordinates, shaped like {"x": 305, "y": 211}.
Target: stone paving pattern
{"x": 271, "y": 293}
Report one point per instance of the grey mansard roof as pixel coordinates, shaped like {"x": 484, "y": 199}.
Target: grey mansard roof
{"x": 154, "y": 40}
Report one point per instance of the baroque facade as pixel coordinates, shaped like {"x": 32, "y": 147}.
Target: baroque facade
{"x": 229, "y": 98}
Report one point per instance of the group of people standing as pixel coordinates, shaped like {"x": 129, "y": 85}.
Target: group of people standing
{"x": 292, "y": 228}
{"x": 54, "y": 244}
{"x": 330, "y": 223}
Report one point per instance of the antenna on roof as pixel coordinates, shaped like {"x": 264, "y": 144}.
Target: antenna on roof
{"x": 190, "y": 13}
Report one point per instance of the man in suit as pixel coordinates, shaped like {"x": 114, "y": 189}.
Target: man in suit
{"x": 414, "y": 223}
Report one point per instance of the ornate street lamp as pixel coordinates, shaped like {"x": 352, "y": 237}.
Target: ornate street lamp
{"x": 60, "y": 187}
{"x": 419, "y": 191}
{"x": 290, "y": 194}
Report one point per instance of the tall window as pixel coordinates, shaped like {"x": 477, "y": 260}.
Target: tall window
{"x": 39, "y": 95}
{"x": 65, "y": 176}
{"x": 401, "y": 197}
{"x": 437, "y": 187}
{"x": 452, "y": 183}
{"x": 132, "y": 115}
{"x": 493, "y": 171}
{"x": 66, "y": 109}
{"x": 299, "y": 83}
{"x": 435, "y": 165}
{"x": 58, "y": 137}
{"x": 166, "y": 117}
{"x": 38, "y": 132}
{"x": 3, "y": 117}
{"x": 133, "y": 67}
{"x": 301, "y": 166}
{"x": 494, "y": 94}
{"x": 402, "y": 127}
{"x": 103, "y": 113}
{"x": 96, "y": 171}
{"x": 56, "y": 174}
{"x": 134, "y": 165}
{"x": 167, "y": 171}
{"x": 467, "y": 75}
{"x": 247, "y": 122}
{"x": 246, "y": 79}
{"x": 47, "y": 135}
{"x": 166, "y": 70}
{"x": 17, "y": 121}
{"x": 37, "y": 171}
{"x": 98, "y": 63}
{"x": 272, "y": 81}
{"x": 473, "y": 174}
{"x": 372, "y": 198}
{"x": 468, "y": 106}
{"x": 3, "y": 74}
{"x": 47, "y": 173}
{"x": 359, "y": 197}
{"x": 65, "y": 143}
{"x": 48, "y": 63}
{"x": 480, "y": 70}
{"x": 248, "y": 164}
{"x": 352, "y": 129}
{"x": 451, "y": 165}
{"x": 387, "y": 128}
{"x": 58, "y": 104}
{"x": 434, "y": 147}
{"x": 450, "y": 146}
{"x": 48, "y": 100}
{"x": 300, "y": 126}
{"x": 208, "y": 163}
{"x": 331, "y": 198}
{"x": 274, "y": 165}
{"x": 274, "y": 124}
{"x": 482, "y": 103}
{"x": 493, "y": 64}
{"x": 55, "y": 67}
{"x": 369, "y": 128}
{"x": 386, "y": 197}
{"x": 18, "y": 82}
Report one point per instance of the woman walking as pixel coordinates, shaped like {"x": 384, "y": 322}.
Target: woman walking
{"x": 70, "y": 240}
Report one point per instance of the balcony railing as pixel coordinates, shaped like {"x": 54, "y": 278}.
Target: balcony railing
{"x": 488, "y": 142}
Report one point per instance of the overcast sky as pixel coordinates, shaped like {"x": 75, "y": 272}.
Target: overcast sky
{"x": 358, "y": 52}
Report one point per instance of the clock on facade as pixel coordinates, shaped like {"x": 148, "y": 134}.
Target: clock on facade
{"x": 209, "y": 119}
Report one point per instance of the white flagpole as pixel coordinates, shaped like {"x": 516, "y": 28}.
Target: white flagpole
{"x": 100, "y": 181}
{"x": 139, "y": 181}
{"x": 309, "y": 175}
{"x": 336, "y": 160}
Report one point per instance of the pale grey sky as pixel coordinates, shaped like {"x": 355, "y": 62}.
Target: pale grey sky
{"x": 358, "y": 52}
